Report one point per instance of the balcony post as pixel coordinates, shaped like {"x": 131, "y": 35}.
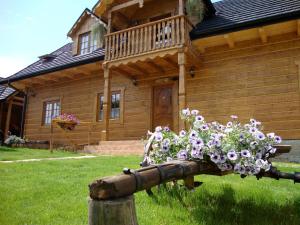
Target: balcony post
{"x": 106, "y": 103}
{"x": 182, "y": 86}
{"x": 181, "y": 7}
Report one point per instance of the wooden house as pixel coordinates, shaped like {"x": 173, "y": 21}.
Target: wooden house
{"x": 242, "y": 59}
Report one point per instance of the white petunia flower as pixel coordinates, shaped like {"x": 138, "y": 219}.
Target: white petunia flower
{"x": 195, "y": 112}
{"x": 158, "y": 129}
{"x": 158, "y": 136}
{"x": 260, "y": 136}
{"x": 232, "y": 155}
{"x": 182, "y": 133}
{"x": 186, "y": 112}
{"x": 271, "y": 135}
{"x": 277, "y": 139}
{"x": 245, "y": 153}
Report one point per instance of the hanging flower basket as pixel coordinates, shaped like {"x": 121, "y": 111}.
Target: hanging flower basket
{"x": 66, "y": 121}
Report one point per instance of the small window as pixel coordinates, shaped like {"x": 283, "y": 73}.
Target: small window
{"x": 115, "y": 105}
{"x": 86, "y": 44}
{"x": 115, "y": 109}
{"x": 51, "y": 110}
{"x": 100, "y": 107}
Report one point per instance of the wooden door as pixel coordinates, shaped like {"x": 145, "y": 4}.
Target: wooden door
{"x": 162, "y": 106}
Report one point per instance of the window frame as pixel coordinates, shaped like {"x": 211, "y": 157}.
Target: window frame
{"x": 88, "y": 34}
{"x": 121, "y": 116}
{"x": 45, "y": 103}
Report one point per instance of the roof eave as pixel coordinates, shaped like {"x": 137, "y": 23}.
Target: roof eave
{"x": 246, "y": 25}
{"x": 55, "y": 69}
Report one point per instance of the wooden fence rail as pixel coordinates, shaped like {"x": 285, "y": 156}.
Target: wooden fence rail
{"x": 112, "y": 201}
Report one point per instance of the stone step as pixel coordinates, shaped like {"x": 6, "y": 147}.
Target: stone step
{"x": 119, "y": 143}
{"x": 116, "y": 148}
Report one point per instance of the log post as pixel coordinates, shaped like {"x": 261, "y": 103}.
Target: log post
{"x": 106, "y": 104}
{"x": 182, "y": 86}
{"x": 8, "y": 117}
{"x": 120, "y": 211}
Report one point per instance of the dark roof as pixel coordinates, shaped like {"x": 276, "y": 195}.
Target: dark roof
{"x": 5, "y": 92}
{"x": 233, "y": 15}
{"x": 64, "y": 59}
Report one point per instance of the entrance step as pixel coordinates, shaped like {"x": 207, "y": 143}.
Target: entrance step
{"x": 119, "y": 148}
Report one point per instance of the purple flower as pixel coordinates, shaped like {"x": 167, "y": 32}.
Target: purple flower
{"x": 158, "y": 136}
{"x": 165, "y": 148}
{"x": 199, "y": 118}
{"x": 253, "y": 130}
{"x": 260, "y": 136}
{"x": 182, "y": 133}
{"x": 232, "y": 155}
{"x": 186, "y": 112}
{"x": 245, "y": 153}
{"x": 196, "y": 153}
{"x": 253, "y": 121}
{"x": 182, "y": 155}
{"x": 234, "y": 117}
{"x": 204, "y": 127}
{"x": 271, "y": 135}
{"x": 158, "y": 129}
{"x": 229, "y": 124}
{"x": 277, "y": 139}
{"x": 167, "y": 129}
{"x": 215, "y": 158}
{"x": 222, "y": 159}
{"x": 193, "y": 134}
{"x": 195, "y": 112}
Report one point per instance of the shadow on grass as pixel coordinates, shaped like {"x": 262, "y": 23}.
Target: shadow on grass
{"x": 6, "y": 149}
{"x": 224, "y": 208}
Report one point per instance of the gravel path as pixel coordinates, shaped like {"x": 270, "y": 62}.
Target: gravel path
{"x": 49, "y": 159}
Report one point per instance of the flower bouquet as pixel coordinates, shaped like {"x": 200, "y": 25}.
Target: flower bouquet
{"x": 66, "y": 121}
{"x": 245, "y": 149}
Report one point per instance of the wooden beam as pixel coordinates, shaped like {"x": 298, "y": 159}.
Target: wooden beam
{"x": 170, "y": 62}
{"x": 127, "y": 4}
{"x": 155, "y": 66}
{"x": 123, "y": 73}
{"x": 8, "y": 117}
{"x": 18, "y": 99}
{"x": 138, "y": 69}
{"x": 106, "y": 104}
{"x": 182, "y": 87}
{"x": 263, "y": 35}
{"x": 229, "y": 40}
{"x": 298, "y": 27}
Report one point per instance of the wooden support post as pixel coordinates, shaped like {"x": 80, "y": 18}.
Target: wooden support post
{"x": 106, "y": 104}
{"x": 298, "y": 65}
{"x": 182, "y": 86}
{"x": 1, "y": 113}
{"x": 51, "y": 137}
{"x": 8, "y": 118}
{"x": 120, "y": 211}
{"x": 189, "y": 182}
{"x": 181, "y": 7}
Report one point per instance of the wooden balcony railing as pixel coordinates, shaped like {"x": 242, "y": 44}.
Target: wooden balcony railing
{"x": 146, "y": 38}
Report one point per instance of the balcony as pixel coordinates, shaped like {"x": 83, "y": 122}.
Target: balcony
{"x": 165, "y": 34}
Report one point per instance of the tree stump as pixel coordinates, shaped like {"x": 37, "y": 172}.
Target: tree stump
{"x": 120, "y": 211}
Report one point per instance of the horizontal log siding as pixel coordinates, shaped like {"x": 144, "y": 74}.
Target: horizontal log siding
{"x": 251, "y": 81}
{"x": 79, "y": 97}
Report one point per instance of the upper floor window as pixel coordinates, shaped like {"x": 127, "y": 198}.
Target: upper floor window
{"x": 50, "y": 111}
{"x": 84, "y": 43}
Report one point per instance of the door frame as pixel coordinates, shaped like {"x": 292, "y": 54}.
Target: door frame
{"x": 174, "y": 85}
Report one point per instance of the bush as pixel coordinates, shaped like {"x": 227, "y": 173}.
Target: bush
{"x": 14, "y": 140}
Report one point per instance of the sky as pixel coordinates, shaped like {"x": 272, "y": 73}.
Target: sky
{"x": 31, "y": 28}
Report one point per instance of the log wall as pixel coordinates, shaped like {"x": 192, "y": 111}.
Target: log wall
{"x": 79, "y": 97}
{"x": 251, "y": 80}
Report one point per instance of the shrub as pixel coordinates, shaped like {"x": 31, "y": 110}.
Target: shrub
{"x": 14, "y": 140}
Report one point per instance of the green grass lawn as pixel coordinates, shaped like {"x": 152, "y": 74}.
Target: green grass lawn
{"x": 8, "y": 154}
{"x": 56, "y": 192}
